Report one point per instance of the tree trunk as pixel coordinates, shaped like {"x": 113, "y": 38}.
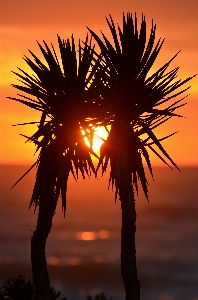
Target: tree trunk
{"x": 128, "y": 250}
{"x": 38, "y": 242}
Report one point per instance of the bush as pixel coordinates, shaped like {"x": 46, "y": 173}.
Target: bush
{"x": 19, "y": 289}
{"x": 99, "y": 297}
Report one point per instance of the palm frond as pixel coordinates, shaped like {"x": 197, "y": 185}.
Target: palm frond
{"x": 59, "y": 89}
{"x": 136, "y": 99}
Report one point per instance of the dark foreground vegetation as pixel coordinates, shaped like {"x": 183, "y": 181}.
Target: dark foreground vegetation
{"x": 20, "y": 289}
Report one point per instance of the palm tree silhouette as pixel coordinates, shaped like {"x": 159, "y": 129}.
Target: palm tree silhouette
{"x": 113, "y": 87}
{"x": 138, "y": 103}
{"x": 63, "y": 91}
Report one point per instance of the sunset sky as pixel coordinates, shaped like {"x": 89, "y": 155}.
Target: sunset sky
{"x": 22, "y": 22}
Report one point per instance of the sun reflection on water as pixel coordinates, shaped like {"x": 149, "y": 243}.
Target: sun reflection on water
{"x": 85, "y": 235}
{"x": 91, "y": 235}
{"x": 71, "y": 261}
{"x": 53, "y": 261}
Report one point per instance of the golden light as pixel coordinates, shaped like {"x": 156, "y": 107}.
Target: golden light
{"x": 100, "y": 134}
{"x": 85, "y": 235}
{"x": 92, "y": 235}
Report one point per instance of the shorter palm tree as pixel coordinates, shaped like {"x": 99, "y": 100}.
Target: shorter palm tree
{"x": 137, "y": 105}
{"x": 63, "y": 91}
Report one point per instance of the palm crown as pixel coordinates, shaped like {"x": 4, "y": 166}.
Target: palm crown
{"x": 63, "y": 92}
{"x": 134, "y": 99}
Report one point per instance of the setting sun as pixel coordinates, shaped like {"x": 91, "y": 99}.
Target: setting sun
{"x": 100, "y": 134}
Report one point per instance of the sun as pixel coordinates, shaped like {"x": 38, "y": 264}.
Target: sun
{"x": 100, "y": 134}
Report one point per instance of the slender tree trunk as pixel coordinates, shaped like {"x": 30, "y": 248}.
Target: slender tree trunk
{"x": 38, "y": 242}
{"x": 128, "y": 249}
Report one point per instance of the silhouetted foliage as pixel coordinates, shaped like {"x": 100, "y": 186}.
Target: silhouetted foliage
{"x": 138, "y": 103}
{"x": 136, "y": 100}
{"x": 63, "y": 91}
{"x": 20, "y": 289}
{"x": 100, "y": 296}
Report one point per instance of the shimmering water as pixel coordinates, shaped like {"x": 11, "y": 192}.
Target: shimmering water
{"x": 83, "y": 249}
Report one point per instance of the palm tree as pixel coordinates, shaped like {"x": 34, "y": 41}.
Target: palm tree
{"x": 63, "y": 91}
{"x": 138, "y": 103}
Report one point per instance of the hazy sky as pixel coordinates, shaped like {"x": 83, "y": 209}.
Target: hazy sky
{"x": 24, "y": 22}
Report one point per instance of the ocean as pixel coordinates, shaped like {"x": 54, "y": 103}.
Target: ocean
{"x": 83, "y": 249}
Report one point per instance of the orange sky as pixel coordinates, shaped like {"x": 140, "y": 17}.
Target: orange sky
{"x": 24, "y": 22}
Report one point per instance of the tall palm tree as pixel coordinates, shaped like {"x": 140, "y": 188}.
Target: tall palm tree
{"x": 63, "y": 91}
{"x": 138, "y": 103}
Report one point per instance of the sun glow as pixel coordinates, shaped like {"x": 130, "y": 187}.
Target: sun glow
{"x": 100, "y": 134}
